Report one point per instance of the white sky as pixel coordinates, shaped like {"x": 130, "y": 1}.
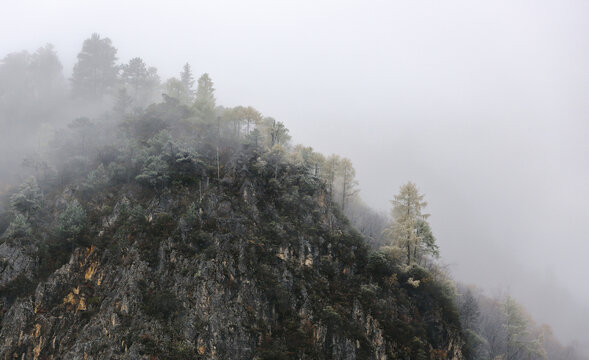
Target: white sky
{"x": 483, "y": 104}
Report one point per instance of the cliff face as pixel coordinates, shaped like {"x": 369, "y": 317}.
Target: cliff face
{"x": 256, "y": 265}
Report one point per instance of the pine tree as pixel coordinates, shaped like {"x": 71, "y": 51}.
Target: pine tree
{"x": 28, "y": 199}
{"x": 46, "y": 77}
{"x": 72, "y": 221}
{"x": 135, "y": 77}
{"x": 520, "y": 341}
{"x": 205, "y": 97}
{"x": 187, "y": 79}
{"x": 95, "y": 73}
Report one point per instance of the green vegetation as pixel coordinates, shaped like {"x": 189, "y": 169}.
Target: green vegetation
{"x": 189, "y": 193}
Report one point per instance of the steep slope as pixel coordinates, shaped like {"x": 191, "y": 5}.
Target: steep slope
{"x": 175, "y": 241}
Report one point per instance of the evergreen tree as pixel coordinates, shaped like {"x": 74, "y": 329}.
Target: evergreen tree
{"x": 32, "y": 86}
{"x": 205, "y": 97}
{"x": 409, "y": 229}
{"x": 27, "y": 200}
{"x": 72, "y": 221}
{"x": 187, "y": 79}
{"x": 46, "y": 77}
{"x": 95, "y": 73}
{"x": 139, "y": 81}
{"x": 155, "y": 172}
{"x": 521, "y": 343}
{"x": 15, "y": 87}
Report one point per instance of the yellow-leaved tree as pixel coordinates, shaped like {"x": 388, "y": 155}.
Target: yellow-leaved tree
{"x": 409, "y": 229}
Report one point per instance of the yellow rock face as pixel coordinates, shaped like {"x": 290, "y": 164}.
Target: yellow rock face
{"x": 90, "y": 271}
{"x": 74, "y": 299}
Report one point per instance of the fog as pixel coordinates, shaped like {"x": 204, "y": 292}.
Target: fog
{"x": 482, "y": 104}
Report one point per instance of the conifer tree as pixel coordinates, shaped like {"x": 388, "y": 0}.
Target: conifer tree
{"x": 205, "y": 96}
{"x": 95, "y": 73}
{"x": 27, "y": 200}
{"x": 46, "y": 76}
{"x": 520, "y": 342}
{"x": 72, "y": 221}
{"x": 409, "y": 229}
{"x": 187, "y": 79}
{"x": 139, "y": 81}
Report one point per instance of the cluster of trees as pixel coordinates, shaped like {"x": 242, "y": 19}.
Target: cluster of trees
{"x": 134, "y": 85}
{"x": 500, "y": 328}
{"x": 338, "y": 173}
{"x": 26, "y": 206}
{"x": 32, "y": 87}
{"x": 339, "y": 176}
{"x": 494, "y": 328}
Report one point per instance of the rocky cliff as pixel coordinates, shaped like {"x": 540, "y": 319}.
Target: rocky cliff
{"x": 249, "y": 260}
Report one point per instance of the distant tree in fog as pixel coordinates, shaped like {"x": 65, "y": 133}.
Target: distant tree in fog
{"x": 46, "y": 71}
{"x": 368, "y": 222}
{"x": 521, "y": 343}
{"x": 139, "y": 81}
{"x": 329, "y": 172}
{"x": 306, "y": 157}
{"x": 176, "y": 90}
{"x": 349, "y": 183}
{"x": 15, "y": 86}
{"x": 275, "y": 132}
{"x": 205, "y": 96}
{"x": 27, "y": 199}
{"x": 182, "y": 89}
{"x": 187, "y": 79}
{"x": 95, "y": 73}
{"x": 240, "y": 115}
{"x": 31, "y": 86}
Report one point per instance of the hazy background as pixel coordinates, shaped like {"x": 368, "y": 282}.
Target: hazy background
{"x": 484, "y": 105}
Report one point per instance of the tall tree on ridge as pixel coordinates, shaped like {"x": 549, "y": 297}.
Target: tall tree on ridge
{"x": 95, "y": 73}
{"x": 349, "y": 183}
{"x": 205, "y": 96}
{"x": 139, "y": 81}
{"x": 187, "y": 79}
{"x": 329, "y": 172}
{"x": 46, "y": 74}
{"x": 409, "y": 229}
